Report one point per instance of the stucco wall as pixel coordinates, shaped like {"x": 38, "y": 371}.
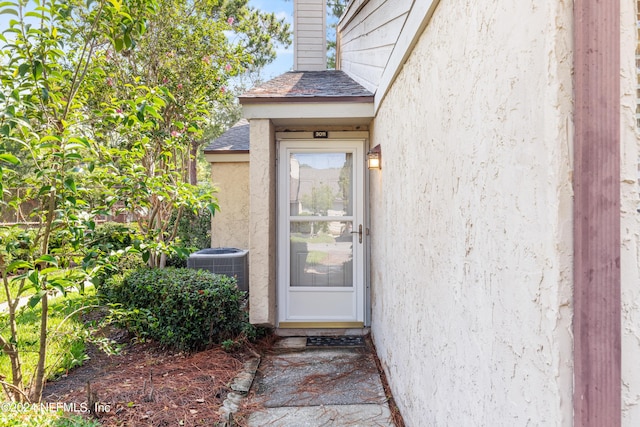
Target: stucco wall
{"x": 262, "y": 223}
{"x": 630, "y": 224}
{"x": 471, "y": 255}
{"x": 230, "y": 226}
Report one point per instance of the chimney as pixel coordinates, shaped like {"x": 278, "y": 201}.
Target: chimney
{"x": 309, "y": 35}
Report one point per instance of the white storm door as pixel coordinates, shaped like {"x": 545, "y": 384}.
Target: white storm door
{"x": 321, "y": 234}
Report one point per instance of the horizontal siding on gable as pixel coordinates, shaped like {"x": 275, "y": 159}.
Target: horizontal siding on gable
{"x": 308, "y": 53}
{"x": 309, "y": 35}
{"x": 375, "y": 57}
{"x": 365, "y": 73}
{"x": 367, "y": 38}
{"x": 310, "y": 7}
{"x": 381, "y": 36}
{"x": 310, "y": 61}
{"x": 309, "y": 20}
{"x": 310, "y": 31}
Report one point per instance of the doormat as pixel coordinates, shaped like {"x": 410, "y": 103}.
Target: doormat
{"x": 342, "y": 341}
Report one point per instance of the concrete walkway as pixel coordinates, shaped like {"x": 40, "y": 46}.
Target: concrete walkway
{"x": 4, "y": 306}
{"x": 300, "y": 386}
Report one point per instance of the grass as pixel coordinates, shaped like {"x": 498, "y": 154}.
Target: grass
{"x": 318, "y": 238}
{"x": 13, "y": 415}
{"x": 66, "y": 349}
{"x": 13, "y": 288}
{"x": 66, "y": 340}
{"x": 322, "y": 238}
{"x": 316, "y": 257}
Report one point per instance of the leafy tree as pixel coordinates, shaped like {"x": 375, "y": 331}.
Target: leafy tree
{"x": 43, "y": 93}
{"x": 320, "y": 200}
{"x": 187, "y": 53}
{"x": 335, "y": 9}
{"x": 88, "y": 127}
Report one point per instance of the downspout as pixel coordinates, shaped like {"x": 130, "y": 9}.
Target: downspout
{"x": 597, "y": 301}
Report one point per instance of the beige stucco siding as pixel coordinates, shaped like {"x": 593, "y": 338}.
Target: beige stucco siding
{"x": 630, "y": 224}
{"x": 262, "y": 224}
{"x": 471, "y": 219}
{"x": 229, "y": 227}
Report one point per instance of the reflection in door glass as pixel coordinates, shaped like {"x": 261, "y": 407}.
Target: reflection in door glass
{"x": 320, "y": 184}
{"x": 321, "y": 253}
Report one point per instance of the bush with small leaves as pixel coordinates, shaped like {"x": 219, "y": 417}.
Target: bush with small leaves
{"x": 112, "y": 236}
{"x": 184, "y": 309}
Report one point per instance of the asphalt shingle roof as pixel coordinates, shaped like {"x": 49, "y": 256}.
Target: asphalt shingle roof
{"x": 309, "y": 86}
{"x": 236, "y": 139}
{"x": 294, "y": 86}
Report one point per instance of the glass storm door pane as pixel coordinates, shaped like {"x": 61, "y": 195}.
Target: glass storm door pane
{"x": 321, "y": 254}
{"x": 321, "y": 188}
{"x": 321, "y": 205}
{"x": 320, "y": 184}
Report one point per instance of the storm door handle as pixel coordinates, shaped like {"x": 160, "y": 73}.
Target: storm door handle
{"x": 359, "y": 233}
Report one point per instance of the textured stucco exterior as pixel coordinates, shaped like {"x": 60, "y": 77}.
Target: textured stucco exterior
{"x": 229, "y": 226}
{"x": 630, "y": 222}
{"x": 471, "y": 219}
{"x": 471, "y": 215}
{"x": 262, "y": 223}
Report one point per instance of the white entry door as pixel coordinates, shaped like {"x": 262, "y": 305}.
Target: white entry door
{"x": 321, "y": 234}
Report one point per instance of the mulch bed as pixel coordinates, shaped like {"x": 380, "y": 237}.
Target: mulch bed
{"x": 145, "y": 385}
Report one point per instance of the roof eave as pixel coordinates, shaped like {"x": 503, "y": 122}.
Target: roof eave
{"x": 285, "y": 113}
{"x": 246, "y": 100}
{"x": 226, "y": 152}
{"x": 227, "y": 157}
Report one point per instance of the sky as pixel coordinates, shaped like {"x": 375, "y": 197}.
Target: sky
{"x": 284, "y": 61}
{"x": 282, "y": 9}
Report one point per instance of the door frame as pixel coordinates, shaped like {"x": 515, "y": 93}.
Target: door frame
{"x": 307, "y": 141}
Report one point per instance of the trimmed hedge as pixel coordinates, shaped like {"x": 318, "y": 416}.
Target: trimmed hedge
{"x": 181, "y": 308}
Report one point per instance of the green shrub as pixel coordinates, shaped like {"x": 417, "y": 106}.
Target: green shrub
{"x": 123, "y": 262}
{"x": 181, "y": 308}
{"x": 108, "y": 246}
{"x": 129, "y": 261}
{"x": 177, "y": 261}
{"x": 116, "y": 263}
{"x": 194, "y": 229}
{"x": 112, "y": 236}
{"x": 193, "y": 233}
{"x": 17, "y": 243}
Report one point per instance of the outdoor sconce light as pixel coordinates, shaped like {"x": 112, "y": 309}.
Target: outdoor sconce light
{"x": 374, "y": 158}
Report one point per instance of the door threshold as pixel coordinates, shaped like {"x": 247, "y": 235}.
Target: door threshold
{"x": 320, "y": 325}
{"x": 318, "y": 332}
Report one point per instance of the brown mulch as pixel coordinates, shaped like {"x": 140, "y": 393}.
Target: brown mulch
{"x": 145, "y": 385}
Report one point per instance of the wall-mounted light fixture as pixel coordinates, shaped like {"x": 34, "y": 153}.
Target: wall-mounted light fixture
{"x": 374, "y": 158}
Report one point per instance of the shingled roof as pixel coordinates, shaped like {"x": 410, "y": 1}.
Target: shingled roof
{"x": 308, "y": 86}
{"x": 235, "y": 140}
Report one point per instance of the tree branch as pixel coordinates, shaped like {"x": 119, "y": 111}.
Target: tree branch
{"x": 16, "y": 389}
{"x": 75, "y": 81}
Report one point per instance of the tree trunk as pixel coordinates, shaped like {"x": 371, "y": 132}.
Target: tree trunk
{"x": 163, "y": 260}
{"x": 14, "y": 354}
{"x": 16, "y": 370}
{"x": 9, "y": 347}
{"x": 193, "y": 163}
{"x": 38, "y": 384}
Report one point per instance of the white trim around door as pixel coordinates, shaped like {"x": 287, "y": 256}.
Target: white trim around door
{"x": 321, "y": 233}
